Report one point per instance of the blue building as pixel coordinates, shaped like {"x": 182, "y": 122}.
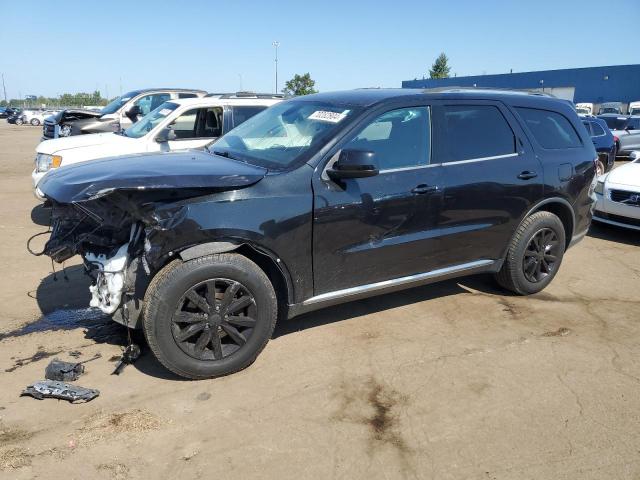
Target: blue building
{"x": 617, "y": 83}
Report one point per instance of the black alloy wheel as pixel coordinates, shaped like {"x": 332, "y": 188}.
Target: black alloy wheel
{"x": 541, "y": 255}
{"x": 214, "y": 319}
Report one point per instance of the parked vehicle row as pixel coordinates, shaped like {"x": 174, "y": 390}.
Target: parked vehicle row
{"x": 121, "y": 113}
{"x": 172, "y": 125}
{"x": 314, "y": 201}
{"x": 616, "y": 108}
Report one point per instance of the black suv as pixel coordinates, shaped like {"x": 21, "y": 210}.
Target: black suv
{"x": 319, "y": 200}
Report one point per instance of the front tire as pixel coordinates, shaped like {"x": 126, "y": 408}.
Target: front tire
{"x": 19, "y": 121}
{"x": 35, "y": 122}
{"x": 534, "y": 255}
{"x": 210, "y": 316}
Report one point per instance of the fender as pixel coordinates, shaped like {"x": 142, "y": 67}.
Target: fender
{"x": 250, "y": 250}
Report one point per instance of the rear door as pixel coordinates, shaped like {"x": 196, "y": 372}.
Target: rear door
{"x": 631, "y": 141}
{"x": 491, "y": 177}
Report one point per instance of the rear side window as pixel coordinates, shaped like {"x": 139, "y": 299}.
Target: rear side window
{"x": 474, "y": 131}
{"x": 551, "y": 129}
{"x": 588, "y": 127}
{"x": 598, "y": 131}
{"x": 242, "y": 114}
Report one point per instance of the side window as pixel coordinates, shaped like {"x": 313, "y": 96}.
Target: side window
{"x": 474, "y": 131}
{"x": 551, "y": 129}
{"x": 151, "y": 102}
{"x": 242, "y": 114}
{"x": 587, "y": 125}
{"x": 199, "y": 123}
{"x": 187, "y": 95}
{"x": 598, "y": 131}
{"x": 185, "y": 125}
{"x": 399, "y": 138}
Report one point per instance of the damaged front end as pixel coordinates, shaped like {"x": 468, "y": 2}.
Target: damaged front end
{"x": 111, "y": 212}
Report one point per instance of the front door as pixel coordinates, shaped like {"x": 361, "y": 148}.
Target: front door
{"x": 378, "y": 228}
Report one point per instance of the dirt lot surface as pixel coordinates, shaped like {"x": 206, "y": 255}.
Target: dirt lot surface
{"x": 454, "y": 380}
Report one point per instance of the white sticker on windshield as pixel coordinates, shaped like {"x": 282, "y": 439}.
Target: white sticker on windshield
{"x": 331, "y": 117}
{"x": 165, "y": 111}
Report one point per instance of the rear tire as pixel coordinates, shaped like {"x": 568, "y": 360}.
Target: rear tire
{"x": 35, "y": 122}
{"x": 534, "y": 254}
{"x": 242, "y": 313}
{"x": 19, "y": 121}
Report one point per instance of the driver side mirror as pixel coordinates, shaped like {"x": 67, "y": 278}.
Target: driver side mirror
{"x": 134, "y": 112}
{"x": 165, "y": 135}
{"x": 354, "y": 164}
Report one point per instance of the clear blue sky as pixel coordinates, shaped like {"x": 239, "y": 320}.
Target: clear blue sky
{"x": 51, "y": 47}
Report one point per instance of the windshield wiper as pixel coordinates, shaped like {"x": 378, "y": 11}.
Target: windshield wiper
{"x": 222, "y": 153}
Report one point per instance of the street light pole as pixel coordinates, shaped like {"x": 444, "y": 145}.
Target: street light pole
{"x": 276, "y": 44}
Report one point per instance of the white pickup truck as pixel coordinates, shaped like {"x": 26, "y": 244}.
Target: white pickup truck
{"x": 174, "y": 125}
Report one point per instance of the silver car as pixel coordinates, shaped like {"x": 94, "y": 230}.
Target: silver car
{"x": 626, "y": 130}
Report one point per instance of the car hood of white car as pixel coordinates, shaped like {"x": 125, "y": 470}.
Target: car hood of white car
{"x": 628, "y": 174}
{"x": 57, "y": 145}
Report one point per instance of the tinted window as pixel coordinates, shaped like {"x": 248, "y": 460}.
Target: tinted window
{"x": 551, "y": 130}
{"x": 474, "y": 131}
{"x": 597, "y": 130}
{"x": 588, "y": 127}
{"x": 400, "y": 138}
{"x": 242, "y": 114}
{"x": 199, "y": 123}
{"x": 615, "y": 123}
{"x": 187, "y": 95}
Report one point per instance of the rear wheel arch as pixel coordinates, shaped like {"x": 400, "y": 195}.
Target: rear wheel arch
{"x": 562, "y": 209}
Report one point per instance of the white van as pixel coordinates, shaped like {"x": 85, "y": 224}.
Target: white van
{"x": 634, "y": 108}
{"x": 174, "y": 125}
{"x": 584, "y": 108}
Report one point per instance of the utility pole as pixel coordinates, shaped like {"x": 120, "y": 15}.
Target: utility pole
{"x": 276, "y": 44}
{"x": 4, "y": 89}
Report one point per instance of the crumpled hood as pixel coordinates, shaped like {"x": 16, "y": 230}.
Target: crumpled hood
{"x": 191, "y": 169}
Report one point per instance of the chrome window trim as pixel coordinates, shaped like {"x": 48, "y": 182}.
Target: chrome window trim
{"x": 480, "y": 159}
{"x": 372, "y": 287}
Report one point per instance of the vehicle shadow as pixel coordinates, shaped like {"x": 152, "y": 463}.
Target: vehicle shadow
{"x": 41, "y": 215}
{"x": 63, "y": 300}
{"x": 381, "y": 303}
{"x": 614, "y": 234}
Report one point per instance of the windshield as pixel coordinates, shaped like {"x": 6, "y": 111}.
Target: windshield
{"x": 149, "y": 121}
{"x": 635, "y": 111}
{"x": 583, "y": 111}
{"x": 284, "y": 134}
{"x": 616, "y": 123}
{"x": 115, "y": 105}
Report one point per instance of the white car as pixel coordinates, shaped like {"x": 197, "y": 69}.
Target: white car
{"x": 618, "y": 195}
{"x": 36, "y": 117}
{"x": 174, "y": 125}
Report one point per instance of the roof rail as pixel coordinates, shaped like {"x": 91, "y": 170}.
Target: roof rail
{"x": 248, "y": 95}
{"x": 487, "y": 89}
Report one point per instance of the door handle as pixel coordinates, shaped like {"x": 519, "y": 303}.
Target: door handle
{"x": 424, "y": 188}
{"x": 527, "y": 175}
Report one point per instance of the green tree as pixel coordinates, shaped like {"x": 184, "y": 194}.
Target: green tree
{"x": 300, "y": 85}
{"x": 440, "y": 68}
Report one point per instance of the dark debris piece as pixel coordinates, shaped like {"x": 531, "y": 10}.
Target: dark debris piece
{"x": 63, "y": 371}
{"x": 60, "y": 390}
{"x": 130, "y": 355}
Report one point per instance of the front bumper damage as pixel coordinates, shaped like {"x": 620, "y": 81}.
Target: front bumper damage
{"x": 126, "y": 217}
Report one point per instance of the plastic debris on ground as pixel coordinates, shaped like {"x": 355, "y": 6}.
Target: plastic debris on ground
{"x": 60, "y": 390}
{"x": 63, "y": 371}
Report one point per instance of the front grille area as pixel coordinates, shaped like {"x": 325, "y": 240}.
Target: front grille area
{"x": 628, "y": 198}
{"x": 48, "y": 130}
{"x": 617, "y": 218}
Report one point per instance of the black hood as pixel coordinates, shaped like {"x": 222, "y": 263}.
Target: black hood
{"x": 192, "y": 169}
